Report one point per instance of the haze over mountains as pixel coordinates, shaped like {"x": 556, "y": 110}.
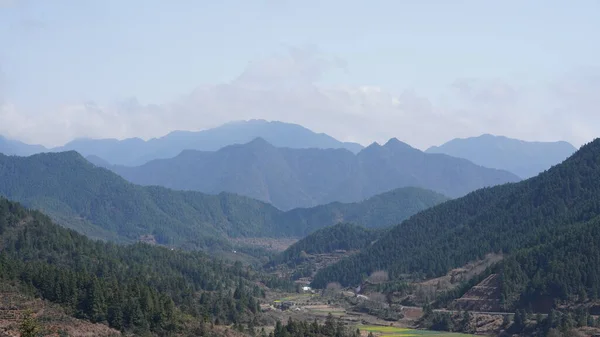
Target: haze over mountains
{"x": 136, "y": 151}
{"x": 525, "y": 159}
{"x": 522, "y": 158}
{"x": 290, "y": 178}
{"x": 16, "y": 148}
{"x": 103, "y": 205}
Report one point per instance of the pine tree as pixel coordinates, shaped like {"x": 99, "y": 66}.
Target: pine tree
{"x": 519, "y": 320}
{"x": 506, "y": 321}
{"x": 466, "y": 325}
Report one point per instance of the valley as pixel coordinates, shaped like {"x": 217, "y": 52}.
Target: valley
{"x": 279, "y": 168}
{"x": 409, "y": 261}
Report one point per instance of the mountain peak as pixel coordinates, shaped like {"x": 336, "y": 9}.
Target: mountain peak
{"x": 259, "y": 141}
{"x": 373, "y": 146}
{"x": 396, "y": 144}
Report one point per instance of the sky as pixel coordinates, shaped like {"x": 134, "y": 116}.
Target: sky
{"x": 422, "y": 71}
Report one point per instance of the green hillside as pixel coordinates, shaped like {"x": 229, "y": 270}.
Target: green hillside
{"x": 564, "y": 269}
{"x": 138, "y": 288}
{"x": 343, "y": 236}
{"x": 510, "y": 218}
{"x": 379, "y": 211}
{"x": 100, "y": 204}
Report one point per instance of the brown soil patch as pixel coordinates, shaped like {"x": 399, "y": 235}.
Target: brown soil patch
{"x": 485, "y": 296}
{"x": 456, "y": 276}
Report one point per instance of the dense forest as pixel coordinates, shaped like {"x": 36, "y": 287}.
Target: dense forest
{"x": 562, "y": 270}
{"x": 100, "y": 204}
{"x": 382, "y": 210}
{"x": 343, "y": 236}
{"x": 139, "y": 288}
{"x": 543, "y": 223}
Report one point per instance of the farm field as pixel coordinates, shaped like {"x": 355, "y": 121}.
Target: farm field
{"x": 296, "y": 298}
{"x": 390, "y": 331}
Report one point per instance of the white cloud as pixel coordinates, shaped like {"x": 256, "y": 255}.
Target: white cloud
{"x": 284, "y": 88}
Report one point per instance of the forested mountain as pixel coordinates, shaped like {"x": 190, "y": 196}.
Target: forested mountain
{"x": 103, "y": 205}
{"x": 542, "y": 223}
{"x": 136, "y": 151}
{"x": 343, "y": 236}
{"x": 11, "y": 147}
{"x": 565, "y": 268}
{"x": 137, "y": 288}
{"x": 290, "y": 178}
{"x": 525, "y": 159}
{"x": 382, "y": 210}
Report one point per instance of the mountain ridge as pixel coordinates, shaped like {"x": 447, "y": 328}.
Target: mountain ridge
{"x": 99, "y": 203}
{"x": 135, "y": 151}
{"x": 291, "y": 178}
{"x": 523, "y": 158}
{"x": 18, "y": 148}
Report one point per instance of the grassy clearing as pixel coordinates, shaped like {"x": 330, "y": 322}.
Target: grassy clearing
{"x": 323, "y": 312}
{"x": 390, "y": 331}
{"x": 294, "y": 298}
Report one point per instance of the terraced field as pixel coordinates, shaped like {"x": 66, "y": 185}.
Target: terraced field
{"x": 390, "y": 331}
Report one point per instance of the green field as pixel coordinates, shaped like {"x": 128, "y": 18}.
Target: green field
{"x": 294, "y": 298}
{"x": 325, "y": 312}
{"x": 389, "y": 331}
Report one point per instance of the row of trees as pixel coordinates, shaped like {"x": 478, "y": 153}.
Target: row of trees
{"x": 330, "y": 328}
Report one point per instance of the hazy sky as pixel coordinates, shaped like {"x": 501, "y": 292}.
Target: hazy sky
{"x": 423, "y": 71}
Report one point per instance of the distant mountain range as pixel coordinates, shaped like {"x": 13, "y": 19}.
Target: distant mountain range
{"x": 102, "y": 205}
{"x": 16, "y": 148}
{"x": 135, "y": 151}
{"x": 525, "y": 159}
{"x": 290, "y": 178}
